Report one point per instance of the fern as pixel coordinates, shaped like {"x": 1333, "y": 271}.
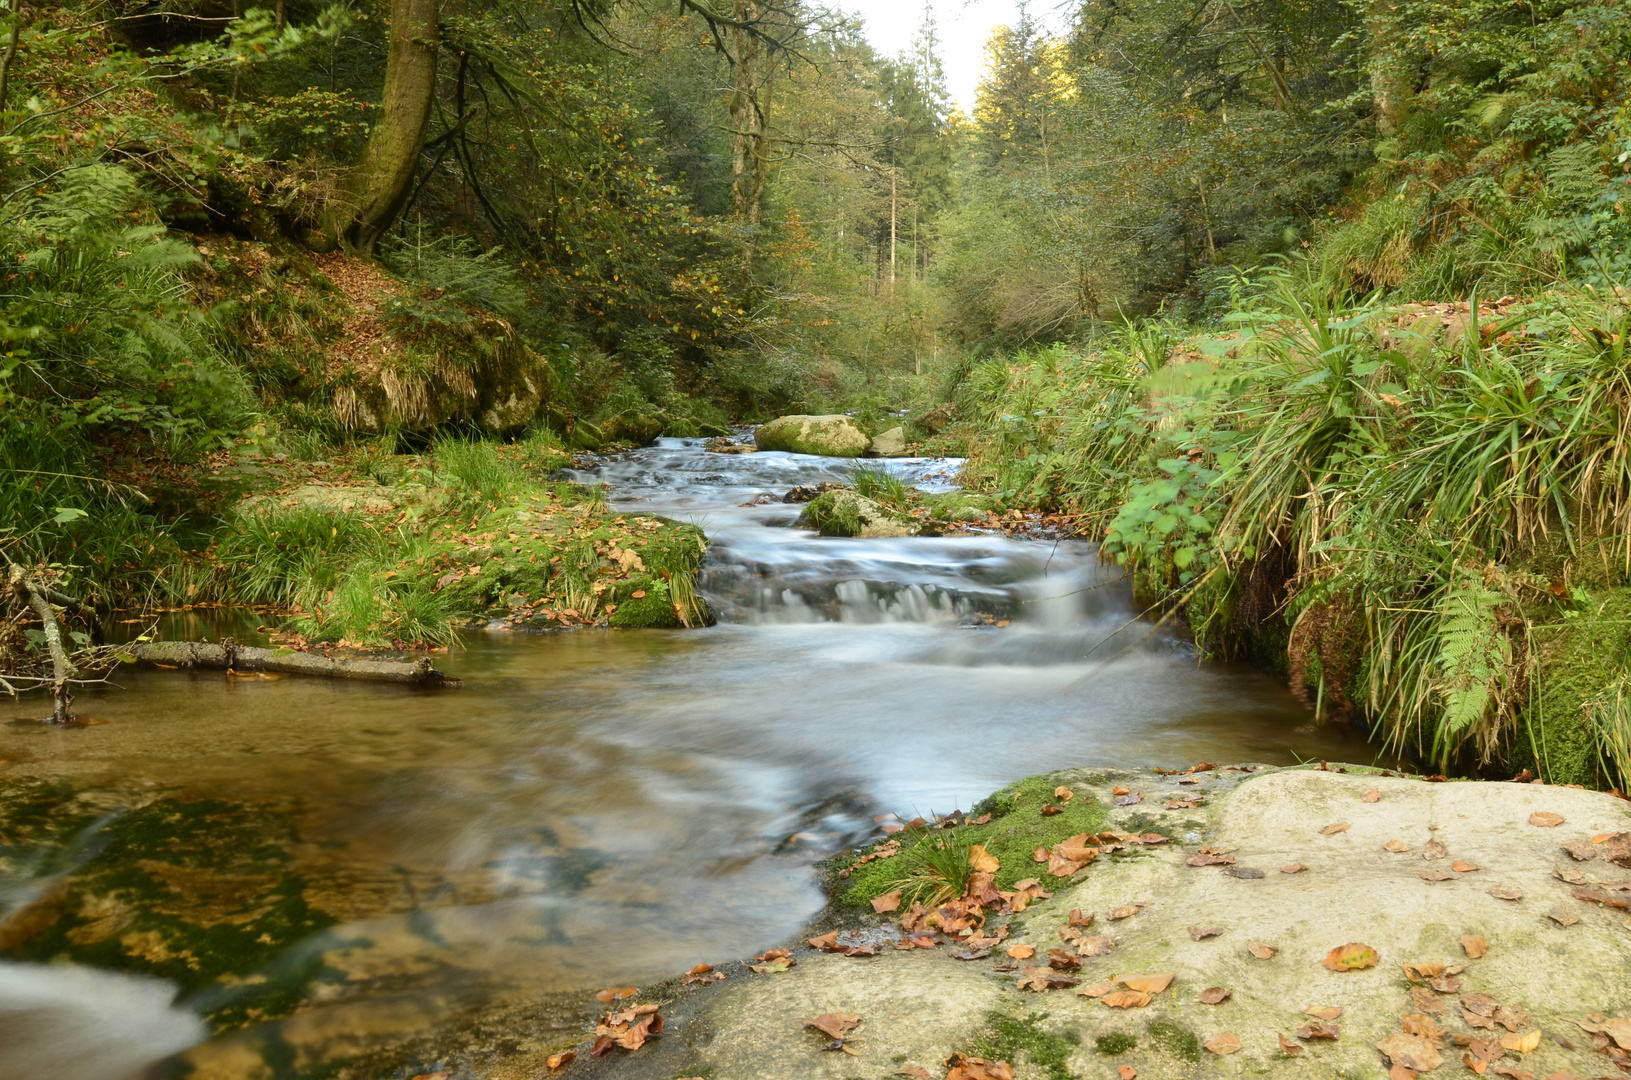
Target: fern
{"x": 1473, "y": 660}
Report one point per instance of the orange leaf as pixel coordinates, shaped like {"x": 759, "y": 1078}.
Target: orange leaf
{"x": 1462, "y": 867}
{"x": 1127, "y": 1072}
{"x": 617, "y": 994}
{"x": 1545, "y": 819}
{"x": 887, "y": 902}
{"x": 559, "y": 1061}
{"x": 1332, "y": 830}
{"x": 1523, "y": 1044}
{"x": 1021, "y": 952}
{"x": 1324, "y": 1012}
{"x": 1350, "y": 957}
{"x": 1149, "y": 984}
{"x": 835, "y": 1025}
{"x": 982, "y": 861}
{"x": 1227, "y": 1043}
{"x": 1262, "y": 951}
{"x": 1126, "y": 999}
{"x": 1063, "y": 793}
{"x": 1372, "y": 795}
{"x": 1397, "y": 846}
{"x": 1293, "y": 868}
{"x": 1474, "y": 945}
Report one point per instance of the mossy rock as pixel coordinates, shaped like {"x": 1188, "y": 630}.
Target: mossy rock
{"x": 635, "y": 427}
{"x": 1579, "y": 657}
{"x": 844, "y": 513}
{"x": 828, "y": 436}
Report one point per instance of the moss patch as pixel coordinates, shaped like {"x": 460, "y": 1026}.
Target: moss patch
{"x": 1005, "y": 1038}
{"x": 1116, "y": 1042}
{"x": 1017, "y": 827}
{"x": 1578, "y": 657}
{"x": 1175, "y": 1039}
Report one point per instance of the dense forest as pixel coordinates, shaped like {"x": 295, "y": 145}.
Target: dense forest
{"x": 1311, "y": 310}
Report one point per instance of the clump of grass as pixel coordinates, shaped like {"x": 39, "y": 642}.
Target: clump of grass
{"x": 1115, "y": 1042}
{"x": 1005, "y": 1038}
{"x": 881, "y": 486}
{"x": 937, "y": 869}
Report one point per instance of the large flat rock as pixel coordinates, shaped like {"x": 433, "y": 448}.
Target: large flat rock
{"x": 918, "y": 1006}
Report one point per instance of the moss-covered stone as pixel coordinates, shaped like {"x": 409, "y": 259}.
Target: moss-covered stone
{"x": 829, "y": 436}
{"x": 1579, "y": 656}
{"x": 845, "y": 513}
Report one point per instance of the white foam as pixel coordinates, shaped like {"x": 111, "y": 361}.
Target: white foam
{"x": 59, "y": 1022}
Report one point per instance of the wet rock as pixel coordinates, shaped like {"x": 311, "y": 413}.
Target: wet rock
{"x": 809, "y": 491}
{"x": 844, "y": 513}
{"x": 830, "y": 436}
{"x": 635, "y": 427}
{"x": 891, "y": 443}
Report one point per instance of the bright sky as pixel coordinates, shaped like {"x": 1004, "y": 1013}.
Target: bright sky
{"x": 964, "y": 26}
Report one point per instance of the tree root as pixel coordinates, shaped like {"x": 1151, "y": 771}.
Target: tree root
{"x": 230, "y": 656}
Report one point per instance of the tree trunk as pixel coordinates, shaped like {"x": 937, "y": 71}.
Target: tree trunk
{"x": 750, "y": 152}
{"x": 380, "y": 185}
{"x": 1389, "y": 74}
{"x": 224, "y": 655}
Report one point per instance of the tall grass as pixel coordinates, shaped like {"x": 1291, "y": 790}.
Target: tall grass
{"x": 1395, "y": 513}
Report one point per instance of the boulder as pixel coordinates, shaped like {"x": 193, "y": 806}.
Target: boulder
{"x": 844, "y": 513}
{"x": 829, "y": 436}
{"x": 635, "y": 427}
{"x": 891, "y": 443}
{"x": 937, "y": 418}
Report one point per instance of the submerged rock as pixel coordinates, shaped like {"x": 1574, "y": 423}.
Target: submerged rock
{"x": 829, "y": 436}
{"x": 844, "y": 513}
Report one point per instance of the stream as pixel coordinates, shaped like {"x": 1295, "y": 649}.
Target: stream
{"x": 293, "y": 872}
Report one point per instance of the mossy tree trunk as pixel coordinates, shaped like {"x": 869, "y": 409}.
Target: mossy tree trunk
{"x": 380, "y": 186}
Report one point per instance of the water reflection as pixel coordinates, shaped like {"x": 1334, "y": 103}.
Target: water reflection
{"x": 325, "y": 868}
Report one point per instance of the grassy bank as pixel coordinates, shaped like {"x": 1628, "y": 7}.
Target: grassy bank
{"x": 1420, "y": 515}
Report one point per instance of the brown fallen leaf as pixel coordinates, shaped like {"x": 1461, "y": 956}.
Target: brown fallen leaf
{"x": 1446, "y": 984}
{"x": 1210, "y": 858}
{"x": 1324, "y": 1012}
{"x": 1333, "y": 829}
{"x": 616, "y": 994}
{"x": 1118, "y": 791}
{"x": 1045, "y": 978}
{"x": 1421, "y": 1024}
{"x": 1569, "y": 874}
{"x": 1129, "y": 800}
{"x": 1076, "y": 918}
{"x": 1479, "y": 1004}
{"x": 559, "y": 1061}
{"x": 1422, "y": 972}
{"x": 1214, "y": 995}
{"x": 1399, "y": 1072}
{"x": 772, "y": 962}
{"x": 1319, "y": 1030}
{"x": 1580, "y": 850}
{"x": 1562, "y": 916}
{"x": 1050, "y": 810}
{"x": 1425, "y": 1000}
{"x": 835, "y": 1025}
{"x": 1372, "y": 795}
{"x": 1126, "y": 1072}
{"x": 1063, "y": 793}
{"x": 1094, "y": 946}
{"x": 1226, "y": 1043}
{"x": 969, "y": 954}
{"x": 1506, "y": 892}
{"x": 1126, "y": 999}
{"x": 1397, "y": 846}
{"x": 889, "y": 901}
{"x": 962, "y": 1067}
{"x": 1021, "y": 952}
{"x": 1201, "y": 933}
{"x": 1474, "y": 946}
{"x": 1510, "y": 1071}
{"x": 1060, "y": 960}
{"x": 1262, "y": 951}
{"x": 1288, "y": 1047}
{"x": 1148, "y": 984}
{"x": 1293, "y": 868}
{"x": 1411, "y": 1051}
{"x": 982, "y": 861}
{"x": 1522, "y": 1044}
{"x": 1350, "y": 957}
{"x": 1462, "y": 867}
{"x": 1433, "y": 875}
{"x": 1434, "y": 849}
{"x": 1124, "y": 911}
{"x": 1096, "y": 990}
{"x": 916, "y": 1072}
{"x": 1545, "y": 819}
{"x": 827, "y": 942}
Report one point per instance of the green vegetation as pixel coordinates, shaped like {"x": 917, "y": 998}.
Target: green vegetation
{"x": 1176, "y": 1039}
{"x": 1017, "y": 827}
{"x": 1116, "y": 1042}
{"x": 1004, "y": 1037}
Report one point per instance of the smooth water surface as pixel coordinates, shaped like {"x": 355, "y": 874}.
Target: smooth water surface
{"x": 595, "y": 807}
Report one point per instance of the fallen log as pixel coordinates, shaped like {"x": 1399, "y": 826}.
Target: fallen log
{"x": 229, "y": 656}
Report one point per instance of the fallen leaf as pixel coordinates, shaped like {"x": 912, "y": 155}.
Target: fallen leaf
{"x": 1562, "y": 916}
{"x": 1293, "y": 868}
{"x": 1545, "y": 819}
{"x": 1210, "y": 858}
{"x": 1127, "y": 1072}
{"x": 1569, "y": 874}
{"x": 1214, "y": 995}
{"x": 1045, "y": 978}
{"x": 1422, "y": 972}
{"x": 1426, "y": 1000}
{"x": 1262, "y": 951}
{"x": 1474, "y": 946}
{"x": 1397, "y": 846}
{"x": 1200, "y": 933}
{"x": 1332, "y": 830}
{"x": 1462, "y": 867}
{"x": 1226, "y": 1043}
{"x": 835, "y": 1025}
{"x": 1094, "y": 946}
{"x": 1421, "y": 1024}
{"x": 1580, "y": 850}
{"x": 1324, "y": 1012}
{"x": 982, "y": 861}
{"x": 1506, "y": 892}
{"x": 1118, "y": 791}
{"x": 1399, "y": 1072}
{"x": 1448, "y": 984}
{"x": 1049, "y": 810}
{"x": 1434, "y": 849}
{"x": 1149, "y": 984}
{"x": 1039, "y": 854}
{"x": 968, "y": 954}
{"x": 827, "y": 942}
{"x": 1350, "y": 957}
{"x": 1076, "y": 918}
{"x": 1411, "y": 1051}
{"x": 1523, "y": 1044}
{"x": 1512, "y": 1072}
{"x": 1372, "y": 795}
{"x": 1060, "y": 960}
{"x": 1021, "y": 952}
{"x": 1288, "y": 1047}
{"x": 1319, "y": 1030}
{"x": 1479, "y": 1004}
{"x": 1126, "y": 999}
{"x": 772, "y": 962}
{"x": 1433, "y": 875}
{"x": 1063, "y": 793}
{"x": 1124, "y": 911}
{"x": 889, "y": 901}
{"x": 916, "y": 1072}
{"x": 1129, "y": 800}
{"x": 559, "y": 1061}
{"x": 961, "y": 1067}
{"x": 617, "y": 994}
{"x": 1096, "y": 990}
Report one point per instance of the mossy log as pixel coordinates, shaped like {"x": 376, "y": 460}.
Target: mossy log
{"x": 227, "y": 655}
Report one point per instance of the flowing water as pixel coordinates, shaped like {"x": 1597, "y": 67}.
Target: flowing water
{"x": 319, "y": 869}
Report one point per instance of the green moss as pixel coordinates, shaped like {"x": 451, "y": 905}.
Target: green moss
{"x": 1005, "y": 1037}
{"x": 1579, "y": 656}
{"x": 1116, "y": 1042}
{"x": 1175, "y": 1039}
{"x": 1017, "y": 827}
{"x": 831, "y": 515}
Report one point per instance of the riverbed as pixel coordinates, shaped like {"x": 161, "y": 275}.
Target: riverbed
{"x": 322, "y": 868}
